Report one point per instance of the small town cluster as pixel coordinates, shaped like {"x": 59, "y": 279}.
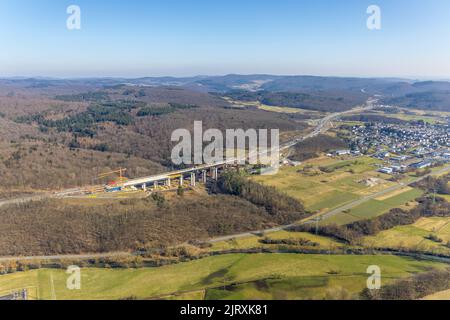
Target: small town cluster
{"x": 402, "y": 146}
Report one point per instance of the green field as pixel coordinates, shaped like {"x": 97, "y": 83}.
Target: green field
{"x": 253, "y": 241}
{"x": 374, "y": 208}
{"x": 417, "y": 117}
{"x": 332, "y": 199}
{"x": 278, "y": 109}
{"x": 414, "y": 236}
{"x": 240, "y": 275}
{"x": 321, "y": 191}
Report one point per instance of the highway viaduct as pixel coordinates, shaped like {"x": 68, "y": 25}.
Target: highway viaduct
{"x": 191, "y": 175}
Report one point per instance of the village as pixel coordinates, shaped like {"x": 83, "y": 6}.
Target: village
{"x": 402, "y": 147}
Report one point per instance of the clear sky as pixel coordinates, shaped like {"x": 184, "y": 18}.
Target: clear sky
{"x": 191, "y": 37}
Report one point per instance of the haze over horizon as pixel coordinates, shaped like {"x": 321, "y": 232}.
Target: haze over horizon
{"x": 179, "y": 38}
{"x": 44, "y": 77}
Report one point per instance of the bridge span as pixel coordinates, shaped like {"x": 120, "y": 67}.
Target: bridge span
{"x": 192, "y": 175}
{"x": 202, "y": 172}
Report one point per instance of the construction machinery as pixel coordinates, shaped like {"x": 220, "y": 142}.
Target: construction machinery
{"x": 116, "y": 185}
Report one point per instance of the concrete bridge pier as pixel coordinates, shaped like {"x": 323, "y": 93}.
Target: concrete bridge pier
{"x": 181, "y": 180}
{"x": 193, "y": 179}
{"x": 215, "y": 173}
{"x": 155, "y": 185}
{"x": 144, "y": 187}
{"x": 168, "y": 182}
{"x": 204, "y": 176}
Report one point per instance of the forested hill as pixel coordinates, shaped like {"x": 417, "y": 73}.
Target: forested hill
{"x": 307, "y": 92}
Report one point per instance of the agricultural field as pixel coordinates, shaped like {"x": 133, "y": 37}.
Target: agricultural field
{"x": 431, "y": 117}
{"x": 254, "y": 241}
{"x": 284, "y": 109}
{"x": 402, "y": 198}
{"x": 415, "y": 236}
{"x": 414, "y": 117}
{"x": 443, "y": 295}
{"x": 234, "y": 276}
{"x": 323, "y": 184}
{"x": 278, "y": 109}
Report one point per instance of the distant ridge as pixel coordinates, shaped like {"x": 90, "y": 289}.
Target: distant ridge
{"x": 429, "y": 94}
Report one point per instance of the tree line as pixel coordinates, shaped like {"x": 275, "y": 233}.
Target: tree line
{"x": 353, "y": 232}
{"x": 282, "y": 207}
{"x": 152, "y": 110}
{"x": 413, "y": 288}
{"x": 434, "y": 184}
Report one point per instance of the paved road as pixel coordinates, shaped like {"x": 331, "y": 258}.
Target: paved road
{"x": 323, "y": 124}
{"x": 322, "y": 127}
{"x": 378, "y": 194}
{"x": 333, "y": 212}
{"x": 68, "y": 256}
{"x": 23, "y": 200}
{"x": 39, "y": 197}
{"x": 230, "y": 237}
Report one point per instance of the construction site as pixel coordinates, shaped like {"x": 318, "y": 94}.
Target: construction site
{"x": 116, "y": 182}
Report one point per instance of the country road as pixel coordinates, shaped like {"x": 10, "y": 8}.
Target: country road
{"x": 224, "y": 238}
{"x": 23, "y": 200}
{"x": 68, "y": 256}
{"x": 333, "y": 212}
{"x": 322, "y": 127}
{"x": 38, "y": 197}
{"x": 378, "y": 194}
{"x": 230, "y": 237}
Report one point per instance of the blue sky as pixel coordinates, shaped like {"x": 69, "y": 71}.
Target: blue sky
{"x": 189, "y": 37}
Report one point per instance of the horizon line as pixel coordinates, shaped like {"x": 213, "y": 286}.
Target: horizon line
{"x": 44, "y": 77}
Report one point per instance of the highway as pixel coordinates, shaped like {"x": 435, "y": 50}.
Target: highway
{"x": 309, "y": 220}
{"x": 322, "y": 126}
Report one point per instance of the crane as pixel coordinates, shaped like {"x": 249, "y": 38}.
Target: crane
{"x": 119, "y": 171}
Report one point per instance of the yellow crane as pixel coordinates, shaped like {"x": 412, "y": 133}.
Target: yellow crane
{"x": 119, "y": 171}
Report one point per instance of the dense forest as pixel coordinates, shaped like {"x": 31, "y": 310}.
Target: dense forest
{"x": 117, "y": 112}
{"x": 53, "y": 137}
{"x": 439, "y": 101}
{"x": 282, "y": 207}
{"x": 435, "y": 184}
{"x": 374, "y": 118}
{"x": 312, "y": 148}
{"x": 318, "y": 101}
{"x": 66, "y": 227}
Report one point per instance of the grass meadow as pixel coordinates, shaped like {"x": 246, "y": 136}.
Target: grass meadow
{"x": 234, "y": 276}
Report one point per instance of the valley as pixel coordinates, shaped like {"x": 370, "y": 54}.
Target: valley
{"x": 64, "y": 149}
